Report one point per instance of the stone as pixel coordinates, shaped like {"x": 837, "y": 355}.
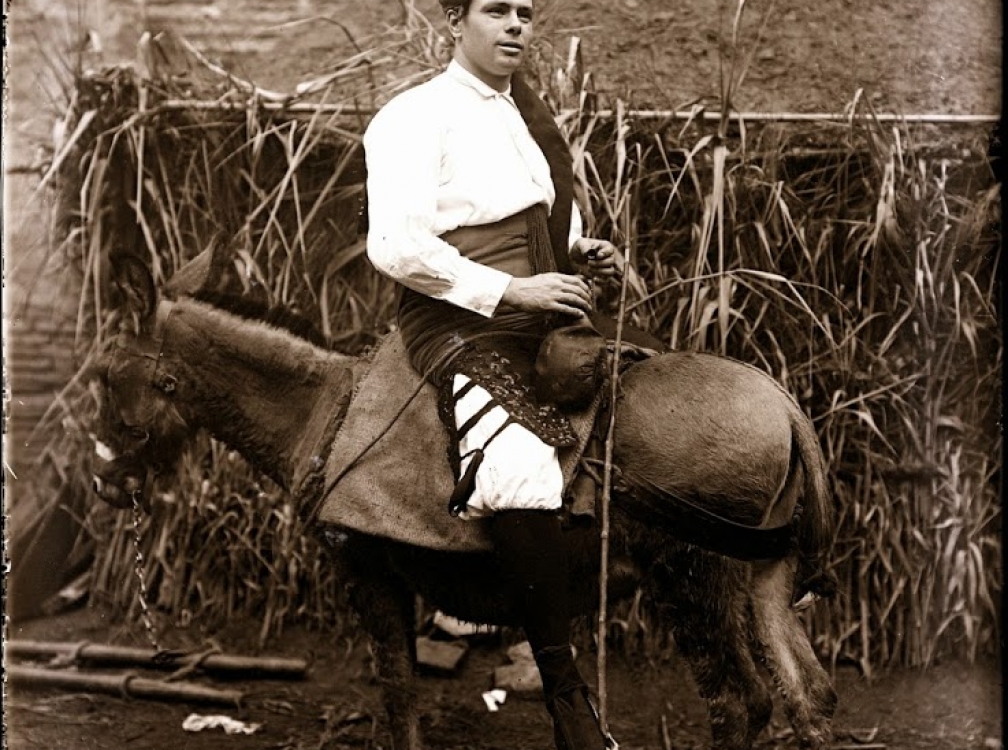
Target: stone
{"x": 440, "y": 656}
{"x": 520, "y": 652}
{"x": 521, "y": 679}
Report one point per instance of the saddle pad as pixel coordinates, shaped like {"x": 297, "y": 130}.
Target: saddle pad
{"x": 399, "y": 487}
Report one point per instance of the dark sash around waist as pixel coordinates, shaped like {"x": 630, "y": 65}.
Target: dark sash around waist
{"x": 432, "y": 328}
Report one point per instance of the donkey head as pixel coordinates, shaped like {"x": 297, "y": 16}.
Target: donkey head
{"x": 140, "y": 430}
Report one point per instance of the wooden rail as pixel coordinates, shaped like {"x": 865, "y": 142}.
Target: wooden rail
{"x": 638, "y": 114}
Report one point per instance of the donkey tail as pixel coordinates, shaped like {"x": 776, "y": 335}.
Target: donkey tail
{"x": 817, "y": 521}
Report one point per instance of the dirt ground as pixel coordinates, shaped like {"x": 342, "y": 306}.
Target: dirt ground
{"x": 907, "y": 55}
{"x": 949, "y": 707}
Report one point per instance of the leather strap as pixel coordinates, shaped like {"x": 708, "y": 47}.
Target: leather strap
{"x": 488, "y": 407}
{"x": 554, "y": 146}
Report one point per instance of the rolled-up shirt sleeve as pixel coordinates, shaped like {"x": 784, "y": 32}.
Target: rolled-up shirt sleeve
{"x": 403, "y": 153}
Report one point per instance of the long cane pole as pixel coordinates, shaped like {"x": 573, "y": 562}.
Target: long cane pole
{"x": 603, "y": 691}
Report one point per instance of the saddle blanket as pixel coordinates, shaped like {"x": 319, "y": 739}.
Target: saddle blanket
{"x": 398, "y": 488}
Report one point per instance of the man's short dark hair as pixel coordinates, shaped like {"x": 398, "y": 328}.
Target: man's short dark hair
{"x": 462, "y": 6}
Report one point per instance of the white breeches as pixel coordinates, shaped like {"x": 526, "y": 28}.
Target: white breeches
{"x": 519, "y": 471}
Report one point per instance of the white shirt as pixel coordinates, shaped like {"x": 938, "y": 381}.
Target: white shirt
{"x": 451, "y": 152}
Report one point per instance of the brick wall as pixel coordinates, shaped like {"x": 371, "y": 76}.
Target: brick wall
{"x": 39, "y": 314}
{"x": 39, "y": 363}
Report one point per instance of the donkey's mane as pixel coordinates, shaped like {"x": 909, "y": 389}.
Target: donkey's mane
{"x": 258, "y": 311}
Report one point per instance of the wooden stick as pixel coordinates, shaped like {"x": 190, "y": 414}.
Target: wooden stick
{"x": 97, "y": 654}
{"x": 127, "y": 685}
{"x": 603, "y": 690}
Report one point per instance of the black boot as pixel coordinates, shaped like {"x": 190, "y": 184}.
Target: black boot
{"x": 531, "y": 549}
{"x": 576, "y": 723}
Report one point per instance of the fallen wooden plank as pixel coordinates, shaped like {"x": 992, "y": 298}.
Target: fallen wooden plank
{"x": 128, "y": 686}
{"x": 96, "y": 654}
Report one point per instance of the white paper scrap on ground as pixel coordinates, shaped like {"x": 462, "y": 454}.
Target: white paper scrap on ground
{"x": 494, "y": 699}
{"x": 199, "y": 722}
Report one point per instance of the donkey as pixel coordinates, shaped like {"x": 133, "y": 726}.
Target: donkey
{"x": 712, "y": 432}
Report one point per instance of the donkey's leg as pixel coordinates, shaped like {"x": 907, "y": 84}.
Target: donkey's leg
{"x": 703, "y": 596}
{"x": 385, "y": 607}
{"x": 809, "y": 697}
{"x": 759, "y": 700}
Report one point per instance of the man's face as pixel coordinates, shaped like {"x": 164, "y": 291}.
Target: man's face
{"x": 492, "y": 38}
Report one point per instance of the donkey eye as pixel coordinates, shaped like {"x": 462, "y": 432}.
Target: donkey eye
{"x": 138, "y": 433}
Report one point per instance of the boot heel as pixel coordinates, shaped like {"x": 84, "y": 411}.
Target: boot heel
{"x": 611, "y": 743}
{"x": 576, "y": 724}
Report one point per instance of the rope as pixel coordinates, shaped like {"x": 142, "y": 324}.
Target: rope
{"x": 193, "y": 663}
{"x": 69, "y": 658}
{"x": 124, "y": 685}
{"x": 138, "y": 568}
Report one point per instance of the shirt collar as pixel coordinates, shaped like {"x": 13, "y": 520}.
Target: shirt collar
{"x": 457, "y": 73}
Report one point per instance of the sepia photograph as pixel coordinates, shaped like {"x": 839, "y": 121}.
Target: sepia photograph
{"x": 502, "y": 375}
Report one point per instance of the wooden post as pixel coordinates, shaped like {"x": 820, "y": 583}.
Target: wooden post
{"x": 97, "y": 654}
{"x": 127, "y": 685}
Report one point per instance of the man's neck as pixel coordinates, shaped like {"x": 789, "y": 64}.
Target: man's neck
{"x": 498, "y": 83}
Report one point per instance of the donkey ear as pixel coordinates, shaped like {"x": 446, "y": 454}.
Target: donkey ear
{"x": 136, "y": 284}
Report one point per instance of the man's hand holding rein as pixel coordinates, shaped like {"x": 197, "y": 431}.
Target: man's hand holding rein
{"x": 563, "y": 293}
{"x": 599, "y": 258}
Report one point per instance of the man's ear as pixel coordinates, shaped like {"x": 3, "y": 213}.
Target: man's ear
{"x": 454, "y": 17}
{"x": 136, "y": 285}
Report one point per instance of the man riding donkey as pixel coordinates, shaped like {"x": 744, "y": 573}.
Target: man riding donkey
{"x": 470, "y": 209}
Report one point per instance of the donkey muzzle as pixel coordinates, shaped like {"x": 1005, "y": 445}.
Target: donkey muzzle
{"x": 119, "y": 481}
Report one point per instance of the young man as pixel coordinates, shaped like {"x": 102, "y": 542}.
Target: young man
{"x": 477, "y": 223}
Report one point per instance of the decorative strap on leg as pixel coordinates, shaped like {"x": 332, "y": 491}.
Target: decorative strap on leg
{"x": 459, "y": 499}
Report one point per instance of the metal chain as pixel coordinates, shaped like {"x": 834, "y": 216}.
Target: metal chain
{"x": 141, "y": 577}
